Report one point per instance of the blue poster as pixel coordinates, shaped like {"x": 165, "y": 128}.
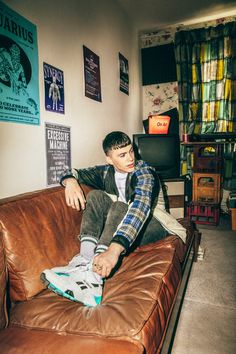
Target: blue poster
{"x": 19, "y": 87}
{"x": 54, "y": 89}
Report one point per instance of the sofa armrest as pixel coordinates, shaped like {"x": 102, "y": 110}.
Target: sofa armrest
{"x": 3, "y": 283}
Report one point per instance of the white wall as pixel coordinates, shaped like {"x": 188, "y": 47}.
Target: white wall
{"x": 64, "y": 26}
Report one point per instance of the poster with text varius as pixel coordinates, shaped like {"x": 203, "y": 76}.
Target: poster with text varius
{"x": 54, "y": 89}
{"x": 19, "y": 90}
{"x": 58, "y": 151}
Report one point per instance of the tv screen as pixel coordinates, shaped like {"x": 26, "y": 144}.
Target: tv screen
{"x": 161, "y": 151}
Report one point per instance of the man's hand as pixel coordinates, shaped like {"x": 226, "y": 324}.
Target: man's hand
{"x": 106, "y": 261}
{"x": 74, "y": 195}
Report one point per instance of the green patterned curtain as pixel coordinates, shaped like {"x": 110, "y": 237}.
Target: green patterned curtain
{"x": 206, "y": 72}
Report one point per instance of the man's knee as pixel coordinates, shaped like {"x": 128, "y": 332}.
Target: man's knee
{"x": 95, "y": 195}
{"x": 98, "y": 199}
{"x": 118, "y": 208}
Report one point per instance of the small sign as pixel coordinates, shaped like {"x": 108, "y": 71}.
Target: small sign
{"x": 158, "y": 124}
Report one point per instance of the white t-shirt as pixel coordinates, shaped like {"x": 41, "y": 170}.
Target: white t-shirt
{"x": 120, "y": 178}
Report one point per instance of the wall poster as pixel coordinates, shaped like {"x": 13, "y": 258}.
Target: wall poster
{"x": 92, "y": 75}
{"x": 54, "y": 89}
{"x": 124, "y": 74}
{"x": 19, "y": 89}
{"x": 58, "y": 151}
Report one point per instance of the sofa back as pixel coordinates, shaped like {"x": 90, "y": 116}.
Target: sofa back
{"x": 3, "y": 276}
{"x": 38, "y": 231}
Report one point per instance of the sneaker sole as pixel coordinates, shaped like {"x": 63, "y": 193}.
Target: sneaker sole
{"x": 59, "y": 292}
{"x": 55, "y": 289}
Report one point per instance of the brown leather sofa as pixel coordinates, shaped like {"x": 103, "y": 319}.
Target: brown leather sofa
{"x": 141, "y": 301}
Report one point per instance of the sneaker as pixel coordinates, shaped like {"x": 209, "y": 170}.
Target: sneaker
{"x": 82, "y": 286}
{"x": 77, "y": 261}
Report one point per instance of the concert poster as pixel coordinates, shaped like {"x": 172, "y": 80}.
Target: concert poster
{"x": 19, "y": 85}
{"x": 58, "y": 151}
{"x": 92, "y": 75}
{"x": 54, "y": 89}
{"x": 124, "y": 74}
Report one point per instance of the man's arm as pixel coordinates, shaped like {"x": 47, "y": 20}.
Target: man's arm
{"x": 92, "y": 176}
{"x": 71, "y": 179}
{"x": 106, "y": 261}
{"x": 74, "y": 195}
{"x": 139, "y": 209}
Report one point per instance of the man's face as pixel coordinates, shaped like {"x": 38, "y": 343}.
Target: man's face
{"x": 122, "y": 159}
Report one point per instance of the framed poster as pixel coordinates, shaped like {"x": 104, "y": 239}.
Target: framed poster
{"x": 19, "y": 87}
{"x": 92, "y": 75}
{"x": 58, "y": 151}
{"x": 54, "y": 89}
{"x": 124, "y": 74}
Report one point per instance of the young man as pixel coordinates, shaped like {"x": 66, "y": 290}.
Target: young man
{"x": 118, "y": 216}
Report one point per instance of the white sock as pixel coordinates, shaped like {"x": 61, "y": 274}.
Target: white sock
{"x": 87, "y": 247}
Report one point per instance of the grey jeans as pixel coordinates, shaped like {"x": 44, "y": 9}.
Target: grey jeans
{"x": 102, "y": 216}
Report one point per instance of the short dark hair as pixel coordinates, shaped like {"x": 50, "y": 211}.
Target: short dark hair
{"x": 115, "y": 140}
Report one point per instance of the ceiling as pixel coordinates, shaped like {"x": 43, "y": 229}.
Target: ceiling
{"x": 147, "y": 15}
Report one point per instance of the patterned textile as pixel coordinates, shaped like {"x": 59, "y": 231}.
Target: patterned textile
{"x": 139, "y": 209}
{"x": 206, "y": 71}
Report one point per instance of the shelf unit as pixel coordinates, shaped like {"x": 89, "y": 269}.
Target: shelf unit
{"x": 228, "y": 146}
{"x": 207, "y": 211}
{"x": 206, "y": 183}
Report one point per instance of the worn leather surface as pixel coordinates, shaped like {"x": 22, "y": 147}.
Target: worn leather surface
{"x": 19, "y": 341}
{"x": 40, "y": 232}
{"x": 143, "y": 288}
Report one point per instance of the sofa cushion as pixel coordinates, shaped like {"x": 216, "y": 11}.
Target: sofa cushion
{"x": 39, "y": 231}
{"x": 18, "y": 341}
{"x": 136, "y": 304}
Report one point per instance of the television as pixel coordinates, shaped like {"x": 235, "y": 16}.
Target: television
{"x": 161, "y": 151}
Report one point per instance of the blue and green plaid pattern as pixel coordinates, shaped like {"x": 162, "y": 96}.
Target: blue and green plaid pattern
{"x": 139, "y": 208}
